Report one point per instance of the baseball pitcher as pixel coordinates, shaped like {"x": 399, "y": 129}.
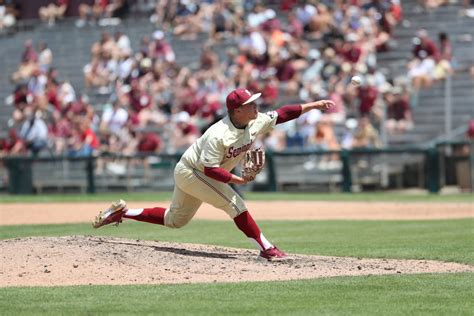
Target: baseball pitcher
{"x": 203, "y": 173}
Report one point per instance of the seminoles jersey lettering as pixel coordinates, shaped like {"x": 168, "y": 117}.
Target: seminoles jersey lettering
{"x": 234, "y": 152}
{"x": 223, "y": 145}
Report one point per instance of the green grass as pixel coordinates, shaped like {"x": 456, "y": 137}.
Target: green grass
{"x": 449, "y": 240}
{"x": 162, "y": 196}
{"x": 428, "y": 294}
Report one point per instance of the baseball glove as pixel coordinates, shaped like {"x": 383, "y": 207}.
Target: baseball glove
{"x": 253, "y": 163}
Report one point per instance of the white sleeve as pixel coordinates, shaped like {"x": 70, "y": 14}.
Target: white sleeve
{"x": 212, "y": 152}
{"x": 268, "y": 121}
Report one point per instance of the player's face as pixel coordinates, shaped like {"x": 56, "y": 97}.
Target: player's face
{"x": 250, "y": 110}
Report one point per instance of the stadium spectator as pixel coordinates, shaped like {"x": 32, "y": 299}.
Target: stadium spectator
{"x": 160, "y": 49}
{"x": 91, "y": 12}
{"x": 8, "y": 16}
{"x": 347, "y": 139}
{"x": 367, "y": 94}
{"x": 20, "y": 97}
{"x": 432, "y": 4}
{"x": 324, "y": 138}
{"x": 37, "y": 83}
{"x": 424, "y": 46}
{"x": 225, "y": 21}
{"x": 12, "y": 145}
{"x": 117, "y": 9}
{"x": 45, "y": 57}
{"x": 34, "y": 131}
{"x": 271, "y": 57}
{"x": 429, "y": 63}
{"x": 84, "y": 141}
{"x": 421, "y": 71}
{"x": 114, "y": 118}
{"x": 468, "y": 9}
{"x": 470, "y": 130}
{"x": 148, "y": 142}
{"x": 366, "y": 136}
{"x": 29, "y": 54}
{"x": 295, "y": 27}
{"x": 60, "y": 132}
{"x": 337, "y": 113}
{"x": 188, "y": 19}
{"x": 97, "y": 74}
{"x": 444, "y": 68}
{"x": 399, "y": 118}
{"x": 184, "y": 133}
{"x": 351, "y": 50}
{"x": 53, "y": 11}
{"x": 445, "y": 47}
{"x": 286, "y": 73}
{"x": 164, "y": 13}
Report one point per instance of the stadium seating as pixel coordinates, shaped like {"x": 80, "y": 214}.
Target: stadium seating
{"x": 429, "y": 114}
{"x": 71, "y": 46}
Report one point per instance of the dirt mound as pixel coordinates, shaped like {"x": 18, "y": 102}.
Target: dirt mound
{"x": 84, "y": 212}
{"x": 73, "y": 260}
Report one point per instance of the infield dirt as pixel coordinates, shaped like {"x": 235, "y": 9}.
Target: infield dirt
{"x": 58, "y": 213}
{"x": 76, "y": 260}
{"x": 82, "y": 260}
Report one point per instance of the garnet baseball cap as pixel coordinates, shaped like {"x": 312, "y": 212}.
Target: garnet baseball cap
{"x": 240, "y": 97}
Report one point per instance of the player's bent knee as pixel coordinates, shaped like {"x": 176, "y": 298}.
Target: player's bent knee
{"x": 175, "y": 224}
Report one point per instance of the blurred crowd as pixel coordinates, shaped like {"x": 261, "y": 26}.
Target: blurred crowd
{"x": 9, "y": 14}
{"x": 156, "y": 105}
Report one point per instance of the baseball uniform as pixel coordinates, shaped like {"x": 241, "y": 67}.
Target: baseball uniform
{"x": 222, "y": 145}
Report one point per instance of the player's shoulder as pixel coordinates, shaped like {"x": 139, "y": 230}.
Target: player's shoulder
{"x": 218, "y": 129}
{"x": 265, "y": 116}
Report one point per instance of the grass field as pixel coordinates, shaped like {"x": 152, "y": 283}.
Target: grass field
{"x": 439, "y": 294}
{"x": 166, "y": 196}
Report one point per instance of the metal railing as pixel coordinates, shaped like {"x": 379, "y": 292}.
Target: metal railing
{"x": 308, "y": 170}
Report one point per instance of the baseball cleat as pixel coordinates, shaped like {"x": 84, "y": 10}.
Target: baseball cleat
{"x": 111, "y": 215}
{"x": 272, "y": 254}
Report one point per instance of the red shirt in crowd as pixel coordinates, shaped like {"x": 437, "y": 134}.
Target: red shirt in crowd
{"x": 210, "y": 109}
{"x": 193, "y": 106}
{"x": 429, "y": 47}
{"x": 285, "y": 71}
{"x": 10, "y": 142}
{"x": 52, "y": 96}
{"x": 139, "y": 100}
{"x": 397, "y": 109}
{"x": 149, "y": 142}
{"x": 20, "y": 98}
{"x": 90, "y": 133}
{"x": 63, "y": 128}
{"x": 470, "y": 130}
{"x": 270, "y": 93}
{"x": 367, "y": 97}
{"x": 352, "y": 54}
{"x": 189, "y": 129}
{"x": 397, "y": 11}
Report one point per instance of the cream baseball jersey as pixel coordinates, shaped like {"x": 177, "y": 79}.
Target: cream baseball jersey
{"x": 223, "y": 145}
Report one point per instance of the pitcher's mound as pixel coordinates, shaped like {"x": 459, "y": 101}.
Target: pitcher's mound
{"x": 74, "y": 260}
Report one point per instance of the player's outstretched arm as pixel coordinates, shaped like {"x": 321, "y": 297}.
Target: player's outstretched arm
{"x": 322, "y": 105}
{"x": 290, "y": 112}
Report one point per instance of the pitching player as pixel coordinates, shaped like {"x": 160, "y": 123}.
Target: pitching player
{"x": 203, "y": 172}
